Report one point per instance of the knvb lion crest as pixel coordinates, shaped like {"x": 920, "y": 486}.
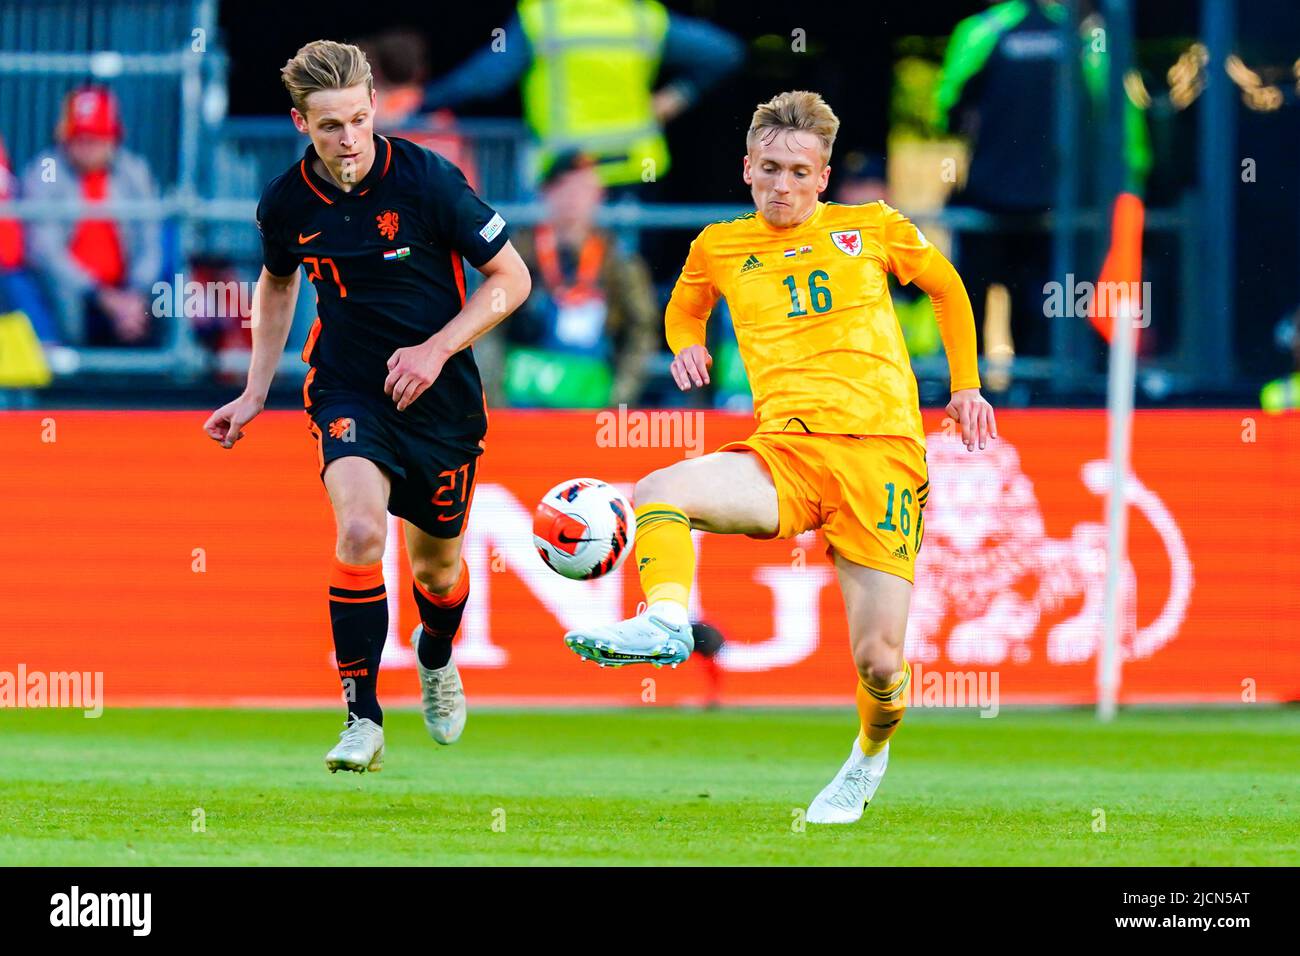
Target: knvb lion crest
{"x": 848, "y": 241}
{"x": 388, "y": 221}
{"x": 341, "y": 428}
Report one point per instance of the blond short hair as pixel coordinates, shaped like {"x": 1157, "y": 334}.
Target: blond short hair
{"x": 795, "y": 110}
{"x": 325, "y": 65}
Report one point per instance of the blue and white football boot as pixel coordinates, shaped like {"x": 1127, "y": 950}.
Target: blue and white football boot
{"x": 658, "y": 635}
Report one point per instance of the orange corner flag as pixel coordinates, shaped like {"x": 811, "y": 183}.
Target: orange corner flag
{"x": 1119, "y": 288}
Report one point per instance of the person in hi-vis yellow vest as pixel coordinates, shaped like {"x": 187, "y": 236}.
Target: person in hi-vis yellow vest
{"x": 587, "y": 70}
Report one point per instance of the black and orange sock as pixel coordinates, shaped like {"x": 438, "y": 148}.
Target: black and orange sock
{"x": 440, "y": 616}
{"x": 880, "y": 710}
{"x": 359, "y": 617}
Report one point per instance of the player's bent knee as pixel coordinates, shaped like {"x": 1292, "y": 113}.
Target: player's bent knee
{"x": 658, "y": 487}
{"x": 435, "y": 576}
{"x": 878, "y": 659}
{"x": 361, "y": 540}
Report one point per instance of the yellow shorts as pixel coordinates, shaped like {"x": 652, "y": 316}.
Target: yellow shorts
{"x": 866, "y": 493}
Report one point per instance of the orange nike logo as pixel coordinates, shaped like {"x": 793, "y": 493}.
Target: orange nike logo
{"x": 303, "y": 240}
{"x": 450, "y": 517}
{"x": 352, "y": 663}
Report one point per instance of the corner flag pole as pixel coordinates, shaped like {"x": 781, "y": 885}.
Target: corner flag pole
{"x": 1121, "y": 273}
{"x": 1119, "y": 413}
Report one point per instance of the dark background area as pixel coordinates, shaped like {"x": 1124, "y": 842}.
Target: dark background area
{"x": 849, "y": 59}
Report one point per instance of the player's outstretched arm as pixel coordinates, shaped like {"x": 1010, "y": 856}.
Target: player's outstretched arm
{"x": 952, "y": 311}
{"x": 413, "y": 369}
{"x": 273, "y": 306}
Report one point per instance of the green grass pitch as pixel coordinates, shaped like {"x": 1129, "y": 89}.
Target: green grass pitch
{"x": 653, "y": 786}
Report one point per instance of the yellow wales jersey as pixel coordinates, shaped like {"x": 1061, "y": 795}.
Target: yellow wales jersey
{"x": 812, "y": 314}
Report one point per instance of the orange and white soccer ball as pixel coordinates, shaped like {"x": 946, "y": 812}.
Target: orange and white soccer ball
{"x": 584, "y": 528}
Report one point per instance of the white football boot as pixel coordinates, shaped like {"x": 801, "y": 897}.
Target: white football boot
{"x": 360, "y": 747}
{"x": 658, "y": 635}
{"x": 442, "y": 695}
{"x": 847, "y": 795}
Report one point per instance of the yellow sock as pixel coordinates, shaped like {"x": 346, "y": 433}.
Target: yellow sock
{"x": 665, "y": 554}
{"x": 881, "y": 710}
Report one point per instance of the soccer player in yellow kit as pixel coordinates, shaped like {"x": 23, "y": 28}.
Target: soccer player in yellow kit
{"x": 839, "y": 444}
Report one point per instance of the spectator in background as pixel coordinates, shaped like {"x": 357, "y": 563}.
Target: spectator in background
{"x": 97, "y": 273}
{"x": 18, "y": 290}
{"x": 398, "y": 62}
{"x": 590, "y": 325}
{"x": 860, "y": 178}
{"x": 1283, "y": 394}
{"x": 602, "y": 58}
{"x": 11, "y": 231}
{"x": 998, "y": 88}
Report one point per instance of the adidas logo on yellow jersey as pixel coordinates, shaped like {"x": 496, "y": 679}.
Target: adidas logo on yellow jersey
{"x": 750, "y": 263}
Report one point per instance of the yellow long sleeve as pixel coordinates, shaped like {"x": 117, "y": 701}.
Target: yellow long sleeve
{"x": 952, "y": 310}
{"x": 682, "y": 328}
{"x": 692, "y": 300}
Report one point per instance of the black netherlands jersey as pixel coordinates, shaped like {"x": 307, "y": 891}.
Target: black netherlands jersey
{"x": 386, "y": 260}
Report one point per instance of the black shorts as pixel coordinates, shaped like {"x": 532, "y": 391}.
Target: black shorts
{"x": 432, "y": 476}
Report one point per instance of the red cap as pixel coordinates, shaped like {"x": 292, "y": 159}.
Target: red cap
{"x": 91, "y": 111}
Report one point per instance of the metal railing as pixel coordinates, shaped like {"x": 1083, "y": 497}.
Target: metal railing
{"x": 159, "y": 57}
{"x": 212, "y": 168}
{"x": 183, "y": 360}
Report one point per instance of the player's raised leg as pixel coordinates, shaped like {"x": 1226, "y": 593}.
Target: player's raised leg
{"x": 725, "y": 492}
{"x": 441, "y": 587}
{"x": 876, "y": 604}
{"x": 358, "y": 491}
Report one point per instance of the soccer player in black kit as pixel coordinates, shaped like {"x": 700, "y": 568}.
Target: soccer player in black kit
{"x": 393, "y": 396}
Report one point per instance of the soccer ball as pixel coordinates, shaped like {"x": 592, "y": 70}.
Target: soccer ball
{"x": 583, "y": 528}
